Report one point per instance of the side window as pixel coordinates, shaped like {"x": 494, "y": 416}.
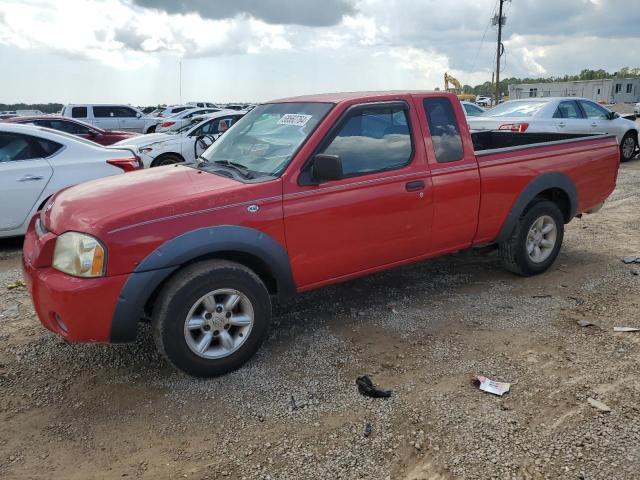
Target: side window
{"x": 47, "y": 147}
{"x": 14, "y": 147}
{"x": 43, "y": 123}
{"x": 207, "y": 129}
{"x": 445, "y": 133}
{"x": 472, "y": 110}
{"x": 79, "y": 112}
{"x": 371, "y": 140}
{"x": 69, "y": 127}
{"x": 593, "y": 110}
{"x": 124, "y": 112}
{"x": 103, "y": 112}
{"x": 567, "y": 110}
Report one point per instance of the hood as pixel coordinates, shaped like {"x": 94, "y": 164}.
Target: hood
{"x": 100, "y": 206}
{"x": 143, "y": 140}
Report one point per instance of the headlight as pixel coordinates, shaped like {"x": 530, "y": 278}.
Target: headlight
{"x": 79, "y": 255}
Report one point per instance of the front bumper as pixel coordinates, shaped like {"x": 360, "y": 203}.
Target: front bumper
{"x": 78, "y": 309}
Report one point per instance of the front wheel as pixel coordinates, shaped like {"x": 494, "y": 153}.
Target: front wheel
{"x": 628, "y": 146}
{"x": 211, "y": 318}
{"x": 535, "y": 241}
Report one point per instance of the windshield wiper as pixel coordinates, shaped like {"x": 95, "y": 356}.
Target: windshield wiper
{"x": 238, "y": 167}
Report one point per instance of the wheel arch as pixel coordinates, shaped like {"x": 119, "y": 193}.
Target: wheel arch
{"x": 166, "y": 154}
{"x": 556, "y": 187}
{"x": 247, "y": 246}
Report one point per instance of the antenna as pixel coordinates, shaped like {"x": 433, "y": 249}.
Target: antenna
{"x": 180, "y": 79}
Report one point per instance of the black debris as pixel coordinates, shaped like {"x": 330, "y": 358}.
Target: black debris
{"x": 368, "y": 389}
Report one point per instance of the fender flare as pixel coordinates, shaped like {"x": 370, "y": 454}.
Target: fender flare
{"x": 536, "y": 186}
{"x": 171, "y": 255}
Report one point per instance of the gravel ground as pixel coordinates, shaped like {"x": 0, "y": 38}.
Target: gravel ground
{"x": 101, "y": 411}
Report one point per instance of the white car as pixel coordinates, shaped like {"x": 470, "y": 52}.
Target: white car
{"x": 169, "y": 110}
{"x": 179, "y": 120}
{"x": 561, "y": 115}
{"x": 36, "y": 162}
{"x": 203, "y": 104}
{"x": 471, "y": 109}
{"x": 183, "y": 145}
{"x": 112, "y": 117}
{"x": 636, "y": 109}
{"x": 484, "y": 101}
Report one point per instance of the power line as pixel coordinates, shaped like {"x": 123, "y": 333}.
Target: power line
{"x": 483, "y": 37}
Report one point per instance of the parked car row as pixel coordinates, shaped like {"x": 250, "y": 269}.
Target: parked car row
{"x": 183, "y": 144}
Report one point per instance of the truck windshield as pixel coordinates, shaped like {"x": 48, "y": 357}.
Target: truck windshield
{"x": 265, "y": 140}
{"x": 516, "y": 109}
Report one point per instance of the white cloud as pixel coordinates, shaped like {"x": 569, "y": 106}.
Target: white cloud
{"x": 359, "y": 44}
{"x": 125, "y": 37}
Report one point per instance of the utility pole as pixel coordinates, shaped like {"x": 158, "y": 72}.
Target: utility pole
{"x": 499, "y": 20}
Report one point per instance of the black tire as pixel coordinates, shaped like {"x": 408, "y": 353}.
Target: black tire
{"x": 166, "y": 159}
{"x": 629, "y": 137}
{"x": 183, "y": 291}
{"x": 151, "y": 129}
{"x": 514, "y": 253}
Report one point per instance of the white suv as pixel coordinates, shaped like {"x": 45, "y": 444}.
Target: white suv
{"x": 112, "y": 117}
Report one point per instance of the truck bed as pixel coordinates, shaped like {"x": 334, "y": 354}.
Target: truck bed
{"x": 488, "y": 142}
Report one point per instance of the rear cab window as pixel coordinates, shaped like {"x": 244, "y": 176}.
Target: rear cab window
{"x": 444, "y": 129}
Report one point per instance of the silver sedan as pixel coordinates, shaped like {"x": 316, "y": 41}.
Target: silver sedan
{"x": 561, "y": 115}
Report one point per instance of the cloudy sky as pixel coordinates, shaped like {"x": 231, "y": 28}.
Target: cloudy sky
{"x": 129, "y": 51}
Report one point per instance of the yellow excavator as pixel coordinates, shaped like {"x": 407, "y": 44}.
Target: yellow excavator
{"x": 452, "y": 85}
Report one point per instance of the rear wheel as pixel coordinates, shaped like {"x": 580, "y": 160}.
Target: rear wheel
{"x": 211, "y": 318}
{"x": 535, "y": 241}
{"x": 628, "y": 146}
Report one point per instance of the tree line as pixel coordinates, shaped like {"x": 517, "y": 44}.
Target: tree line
{"x": 488, "y": 89}
{"x": 43, "y": 107}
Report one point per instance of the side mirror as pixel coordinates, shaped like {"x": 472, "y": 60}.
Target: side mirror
{"x": 138, "y": 115}
{"x": 93, "y": 133}
{"x": 326, "y": 168}
{"x": 613, "y": 115}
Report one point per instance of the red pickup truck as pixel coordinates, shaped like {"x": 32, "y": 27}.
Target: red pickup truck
{"x": 300, "y": 193}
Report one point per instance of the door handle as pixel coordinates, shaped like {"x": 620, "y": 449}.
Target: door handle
{"x": 562, "y": 124}
{"x": 594, "y": 124}
{"x": 415, "y": 185}
{"x": 30, "y": 178}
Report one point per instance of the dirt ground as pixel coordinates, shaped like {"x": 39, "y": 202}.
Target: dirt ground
{"x": 100, "y": 411}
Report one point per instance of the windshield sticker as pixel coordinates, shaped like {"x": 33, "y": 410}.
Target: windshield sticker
{"x": 294, "y": 119}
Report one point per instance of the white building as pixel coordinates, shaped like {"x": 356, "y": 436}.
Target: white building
{"x": 613, "y": 90}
